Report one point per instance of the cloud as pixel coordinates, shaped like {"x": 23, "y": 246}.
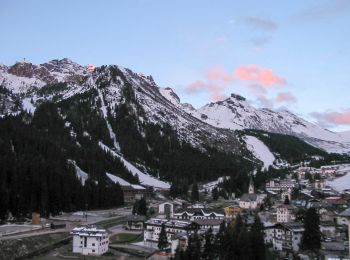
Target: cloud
{"x": 218, "y": 74}
{"x": 262, "y": 76}
{"x": 332, "y": 118}
{"x": 199, "y": 86}
{"x": 285, "y": 97}
{"x": 260, "y": 23}
{"x": 324, "y": 10}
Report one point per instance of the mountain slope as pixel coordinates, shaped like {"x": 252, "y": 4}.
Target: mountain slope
{"x": 236, "y": 113}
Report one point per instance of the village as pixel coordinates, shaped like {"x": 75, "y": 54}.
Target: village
{"x": 134, "y": 231}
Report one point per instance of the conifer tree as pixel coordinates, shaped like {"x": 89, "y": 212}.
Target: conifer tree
{"x": 208, "y": 252}
{"x": 162, "y": 241}
{"x": 257, "y": 239}
{"x": 195, "y": 192}
{"x": 311, "y": 238}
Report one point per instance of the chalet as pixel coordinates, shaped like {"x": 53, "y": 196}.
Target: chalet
{"x": 286, "y": 213}
{"x": 134, "y": 192}
{"x": 167, "y": 209}
{"x": 198, "y": 213}
{"x": 172, "y": 227}
{"x": 89, "y": 240}
{"x": 135, "y": 222}
{"x": 286, "y": 236}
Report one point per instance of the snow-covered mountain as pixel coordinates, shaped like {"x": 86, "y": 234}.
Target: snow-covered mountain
{"x": 28, "y": 84}
{"x": 236, "y": 113}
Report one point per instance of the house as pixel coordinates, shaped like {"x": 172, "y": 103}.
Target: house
{"x": 89, "y": 240}
{"x": 135, "y": 222}
{"x": 287, "y": 236}
{"x": 232, "y": 211}
{"x": 277, "y": 185}
{"x": 172, "y": 227}
{"x": 286, "y": 213}
{"x": 198, "y": 213}
{"x": 134, "y": 192}
{"x": 205, "y": 224}
{"x": 249, "y": 200}
{"x": 167, "y": 209}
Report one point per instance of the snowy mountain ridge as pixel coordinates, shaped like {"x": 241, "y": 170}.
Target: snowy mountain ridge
{"x": 236, "y": 113}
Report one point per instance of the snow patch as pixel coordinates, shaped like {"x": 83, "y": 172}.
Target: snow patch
{"x": 82, "y": 176}
{"x": 342, "y": 183}
{"x": 260, "y": 150}
{"x": 28, "y": 106}
{"x": 117, "y": 179}
{"x": 145, "y": 179}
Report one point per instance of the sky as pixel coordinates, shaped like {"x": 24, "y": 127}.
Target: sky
{"x": 279, "y": 54}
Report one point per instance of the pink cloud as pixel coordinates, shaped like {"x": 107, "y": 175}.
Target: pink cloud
{"x": 333, "y": 118}
{"x": 285, "y": 97}
{"x": 214, "y": 90}
{"x": 218, "y": 74}
{"x": 264, "y": 77}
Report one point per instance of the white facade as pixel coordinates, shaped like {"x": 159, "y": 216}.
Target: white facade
{"x": 88, "y": 240}
{"x": 167, "y": 209}
{"x": 286, "y": 236}
{"x": 285, "y": 213}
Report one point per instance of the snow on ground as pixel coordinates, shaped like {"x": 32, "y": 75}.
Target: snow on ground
{"x": 82, "y": 176}
{"x": 211, "y": 185}
{"x": 116, "y": 179}
{"x": 27, "y": 105}
{"x": 145, "y": 179}
{"x": 104, "y": 112}
{"x": 342, "y": 183}
{"x": 260, "y": 150}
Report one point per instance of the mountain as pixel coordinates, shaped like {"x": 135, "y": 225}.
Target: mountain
{"x": 236, "y": 113}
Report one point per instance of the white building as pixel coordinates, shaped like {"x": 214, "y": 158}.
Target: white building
{"x": 89, "y": 240}
{"x": 199, "y": 213}
{"x": 250, "y": 200}
{"x": 286, "y": 236}
{"x": 153, "y": 228}
{"x": 285, "y": 213}
{"x": 280, "y": 185}
{"x": 167, "y": 209}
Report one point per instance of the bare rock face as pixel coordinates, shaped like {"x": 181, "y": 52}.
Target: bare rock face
{"x": 22, "y": 69}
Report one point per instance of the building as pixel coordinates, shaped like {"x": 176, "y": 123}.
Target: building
{"x": 286, "y": 236}
{"x": 206, "y": 224}
{"x": 286, "y": 213}
{"x": 249, "y": 200}
{"x": 89, "y": 240}
{"x": 167, "y": 209}
{"x": 134, "y": 192}
{"x": 198, "y": 213}
{"x": 232, "y": 211}
{"x": 135, "y": 222}
{"x": 346, "y": 215}
{"x": 172, "y": 227}
{"x": 277, "y": 185}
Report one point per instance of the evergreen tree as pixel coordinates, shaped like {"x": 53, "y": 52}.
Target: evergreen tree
{"x": 257, "y": 239}
{"x": 215, "y": 193}
{"x": 208, "y": 252}
{"x": 142, "y": 208}
{"x": 162, "y": 241}
{"x": 193, "y": 250}
{"x": 219, "y": 241}
{"x": 286, "y": 200}
{"x": 311, "y": 238}
{"x": 195, "y": 192}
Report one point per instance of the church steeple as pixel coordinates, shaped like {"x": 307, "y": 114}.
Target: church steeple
{"x": 251, "y": 186}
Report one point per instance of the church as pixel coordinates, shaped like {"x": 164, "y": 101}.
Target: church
{"x": 250, "y": 200}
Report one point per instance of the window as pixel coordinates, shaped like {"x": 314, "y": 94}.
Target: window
{"x": 93, "y": 250}
{"x": 93, "y": 244}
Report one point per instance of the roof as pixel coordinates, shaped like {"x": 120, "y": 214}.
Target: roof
{"x": 346, "y": 213}
{"x": 294, "y": 226}
{"x": 204, "y": 211}
{"x": 249, "y": 197}
{"x": 212, "y": 222}
{"x": 88, "y": 231}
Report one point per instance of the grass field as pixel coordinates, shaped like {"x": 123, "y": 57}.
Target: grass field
{"x": 126, "y": 238}
{"x": 14, "y": 248}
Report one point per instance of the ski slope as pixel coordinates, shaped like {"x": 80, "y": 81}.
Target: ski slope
{"x": 145, "y": 179}
{"x": 260, "y": 151}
